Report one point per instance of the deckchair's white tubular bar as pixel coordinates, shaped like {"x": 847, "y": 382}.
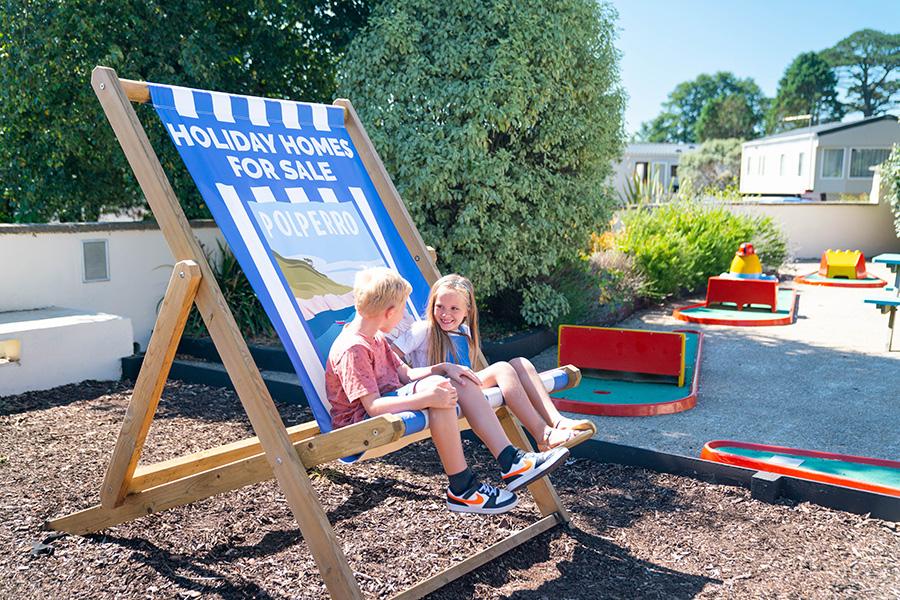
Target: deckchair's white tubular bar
{"x": 284, "y": 461}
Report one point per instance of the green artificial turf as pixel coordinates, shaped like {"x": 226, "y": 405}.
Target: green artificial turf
{"x": 728, "y": 311}
{"x": 874, "y": 474}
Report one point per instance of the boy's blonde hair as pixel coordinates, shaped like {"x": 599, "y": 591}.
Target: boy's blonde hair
{"x": 377, "y": 289}
{"x": 439, "y": 343}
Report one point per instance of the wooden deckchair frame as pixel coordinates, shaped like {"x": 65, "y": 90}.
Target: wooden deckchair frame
{"x": 129, "y": 491}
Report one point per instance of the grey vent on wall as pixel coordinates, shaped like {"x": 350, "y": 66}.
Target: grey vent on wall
{"x": 96, "y": 260}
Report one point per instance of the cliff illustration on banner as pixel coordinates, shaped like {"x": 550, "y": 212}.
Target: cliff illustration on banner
{"x": 319, "y": 248}
{"x": 314, "y": 291}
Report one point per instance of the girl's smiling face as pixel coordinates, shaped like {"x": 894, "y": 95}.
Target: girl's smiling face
{"x": 450, "y": 309}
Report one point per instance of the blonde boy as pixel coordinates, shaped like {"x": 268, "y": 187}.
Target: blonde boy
{"x": 363, "y": 377}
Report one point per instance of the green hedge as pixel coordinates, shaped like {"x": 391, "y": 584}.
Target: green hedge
{"x": 678, "y": 245}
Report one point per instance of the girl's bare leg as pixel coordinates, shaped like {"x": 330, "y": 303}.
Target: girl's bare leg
{"x": 534, "y": 389}
{"x": 504, "y": 376}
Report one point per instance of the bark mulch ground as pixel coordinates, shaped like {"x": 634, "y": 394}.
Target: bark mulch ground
{"x": 635, "y": 533}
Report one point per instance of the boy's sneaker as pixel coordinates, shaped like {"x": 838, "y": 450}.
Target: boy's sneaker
{"x": 482, "y": 499}
{"x": 533, "y": 465}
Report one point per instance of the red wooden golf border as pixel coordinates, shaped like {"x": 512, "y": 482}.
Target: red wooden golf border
{"x": 711, "y": 452}
{"x": 868, "y": 284}
{"x": 786, "y": 320}
{"x": 640, "y": 410}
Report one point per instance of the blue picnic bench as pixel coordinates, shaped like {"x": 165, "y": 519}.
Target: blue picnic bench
{"x": 888, "y": 301}
{"x": 893, "y": 263}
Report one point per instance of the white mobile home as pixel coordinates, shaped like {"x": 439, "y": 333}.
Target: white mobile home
{"x": 822, "y": 162}
{"x": 650, "y": 162}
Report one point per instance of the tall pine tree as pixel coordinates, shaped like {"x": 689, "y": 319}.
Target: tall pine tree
{"x": 808, "y": 87}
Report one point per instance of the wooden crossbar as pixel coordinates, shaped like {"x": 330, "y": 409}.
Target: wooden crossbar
{"x": 242, "y": 472}
{"x": 149, "y": 476}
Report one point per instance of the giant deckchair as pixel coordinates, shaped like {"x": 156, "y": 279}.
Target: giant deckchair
{"x": 303, "y": 201}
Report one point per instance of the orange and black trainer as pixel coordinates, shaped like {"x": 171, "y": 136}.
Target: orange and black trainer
{"x": 533, "y": 465}
{"x": 482, "y": 499}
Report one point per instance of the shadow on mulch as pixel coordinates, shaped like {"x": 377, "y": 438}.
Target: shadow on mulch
{"x": 175, "y": 567}
{"x": 597, "y": 569}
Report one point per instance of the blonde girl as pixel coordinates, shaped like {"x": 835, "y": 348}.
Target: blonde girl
{"x": 450, "y": 335}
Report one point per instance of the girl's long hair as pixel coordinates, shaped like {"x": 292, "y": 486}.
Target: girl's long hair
{"x": 439, "y": 343}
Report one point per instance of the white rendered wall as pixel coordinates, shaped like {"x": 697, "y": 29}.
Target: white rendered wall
{"x": 814, "y": 227}
{"x": 57, "y": 346}
{"x": 41, "y": 265}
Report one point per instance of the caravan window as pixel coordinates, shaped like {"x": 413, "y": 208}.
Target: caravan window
{"x": 832, "y": 163}
{"x": 863, "y": 158}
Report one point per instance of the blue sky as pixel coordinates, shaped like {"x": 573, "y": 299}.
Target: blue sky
{"x": 664, "y": 43}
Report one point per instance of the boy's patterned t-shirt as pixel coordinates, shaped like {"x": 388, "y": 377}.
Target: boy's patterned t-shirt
{"x": 357, "y": 366}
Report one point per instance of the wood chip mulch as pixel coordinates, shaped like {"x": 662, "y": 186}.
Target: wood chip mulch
{"x": 635, "y": 533}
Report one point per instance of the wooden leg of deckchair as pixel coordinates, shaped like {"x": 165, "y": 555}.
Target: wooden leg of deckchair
{"x": 173, "y": 315}
{"x": 226, "y": 336}
{"x": 542, "y": 490}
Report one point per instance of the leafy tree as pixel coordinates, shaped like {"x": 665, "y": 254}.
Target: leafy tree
{"x": 808, "y": 87}
{"x": 715, "y": 164}
{"x": 868, "y": 65}
{"x": 59, "y": 158}
{"x": 682, "y": 111}
{"x": 728, "y": 116}
{"x": 498, "y": 121}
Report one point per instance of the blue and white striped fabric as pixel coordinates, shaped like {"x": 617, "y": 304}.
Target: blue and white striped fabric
{"x": 286, "y": 186}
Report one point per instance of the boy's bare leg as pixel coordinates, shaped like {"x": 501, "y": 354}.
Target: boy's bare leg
{"x": 445, "y": 435}
{"x": 504, "y": 376}
{"x": 534, "y": 389}
{"x": 481, "y": 417}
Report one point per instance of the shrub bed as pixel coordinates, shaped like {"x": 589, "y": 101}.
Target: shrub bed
{"x": 678, "y": 245}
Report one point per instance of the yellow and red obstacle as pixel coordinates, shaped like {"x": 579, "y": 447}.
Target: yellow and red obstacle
{"x": 746, "y": 264}
{"x": 842, "y": 268}
{"x": 744, "y": 296}
{"x": 630, "y": 372}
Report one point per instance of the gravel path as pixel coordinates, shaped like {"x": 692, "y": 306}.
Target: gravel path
{"x": 825, "y": 383}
